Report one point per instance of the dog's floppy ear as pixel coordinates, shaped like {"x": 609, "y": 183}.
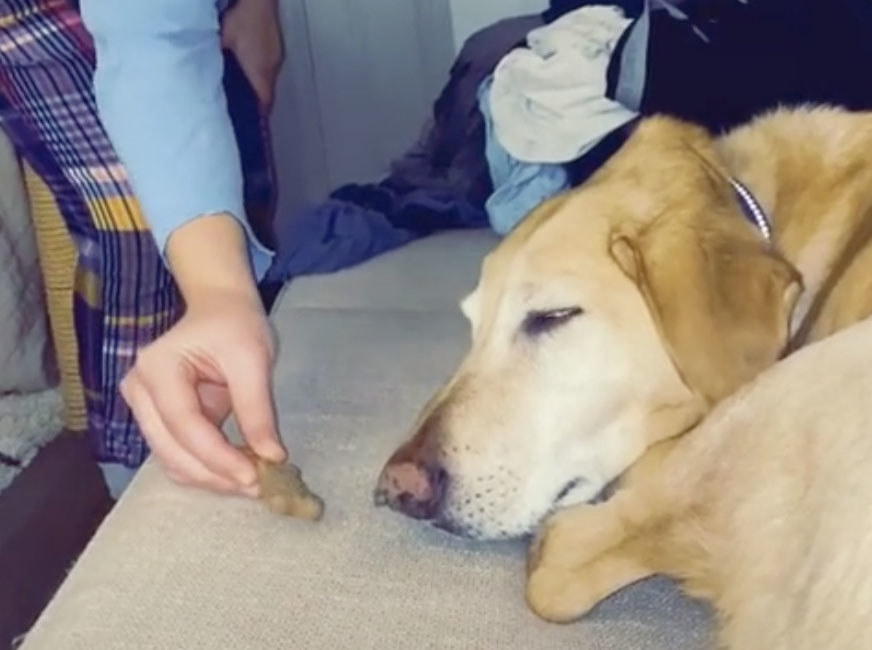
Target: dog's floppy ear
{"x": 720, "y": 297}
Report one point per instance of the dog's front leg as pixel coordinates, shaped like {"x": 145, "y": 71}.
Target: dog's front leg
{"x": 587, "y": 552}
{"x": 562, "y": 594}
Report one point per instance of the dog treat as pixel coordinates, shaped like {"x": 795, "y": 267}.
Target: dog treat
{"x": 283, "y": 490}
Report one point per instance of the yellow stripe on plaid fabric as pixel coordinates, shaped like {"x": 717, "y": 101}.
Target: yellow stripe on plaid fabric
{"x": 111, "y": 213}
{"x": 11, "y": 19}
{"x": 87, "y": 286}
{"x": 58, "y": 260}
{"x": 117, "y": 214}
{"x": 141, "y": 321}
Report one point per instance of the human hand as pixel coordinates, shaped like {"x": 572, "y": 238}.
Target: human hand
{"x": 251, "y": 29}
{"x": 218, "y": 358}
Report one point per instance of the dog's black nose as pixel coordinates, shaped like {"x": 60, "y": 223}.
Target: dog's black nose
{"x": 412, "y": 488}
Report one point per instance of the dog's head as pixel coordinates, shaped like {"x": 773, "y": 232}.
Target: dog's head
{"x": 611, "y": 319}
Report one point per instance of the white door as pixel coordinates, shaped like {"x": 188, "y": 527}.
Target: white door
{"x": 359, "y": 79}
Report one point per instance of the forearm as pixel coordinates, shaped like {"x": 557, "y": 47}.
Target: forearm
{"x": 216, "y": 270}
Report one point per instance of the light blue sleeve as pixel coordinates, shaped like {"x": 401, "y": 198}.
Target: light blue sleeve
{"x": 158, "y": 84}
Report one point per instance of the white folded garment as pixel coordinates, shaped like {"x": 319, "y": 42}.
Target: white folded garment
{"x": 548, "y": 101}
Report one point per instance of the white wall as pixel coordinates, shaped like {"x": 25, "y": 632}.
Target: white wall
{"x": 469, "y": 16}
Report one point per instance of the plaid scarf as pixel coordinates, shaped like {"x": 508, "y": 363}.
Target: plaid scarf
{"x": 124, "y": 297}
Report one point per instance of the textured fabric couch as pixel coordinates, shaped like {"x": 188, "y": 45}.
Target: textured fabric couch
{"x": 360, "y": 352}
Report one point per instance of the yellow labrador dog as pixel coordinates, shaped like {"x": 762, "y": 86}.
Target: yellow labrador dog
{"x": 617, "y": 315}
{"x": 765, "y": 509}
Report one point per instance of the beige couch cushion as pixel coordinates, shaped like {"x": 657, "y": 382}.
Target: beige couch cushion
{"x": 361, "y": 351}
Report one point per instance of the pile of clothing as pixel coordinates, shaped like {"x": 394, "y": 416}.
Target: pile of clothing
{"x": 536, "y": 104}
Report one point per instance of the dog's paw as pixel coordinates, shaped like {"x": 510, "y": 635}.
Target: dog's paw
{"x": 567, "y": 538}
{"x": 579, "y": 557}
{"x": 556, "y": 594}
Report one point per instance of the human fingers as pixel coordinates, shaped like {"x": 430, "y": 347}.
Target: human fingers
{"x": 177, "y": 462}
{"x": 172, "y": 389}
{"x": 249, "y": 380}
{"x": 215, "y": 399}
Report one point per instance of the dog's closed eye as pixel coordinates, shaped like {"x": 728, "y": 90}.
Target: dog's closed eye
{"x": 542, "y": 322}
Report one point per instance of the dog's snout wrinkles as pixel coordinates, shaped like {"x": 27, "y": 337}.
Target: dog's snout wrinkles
{"x": 412, "y": 488}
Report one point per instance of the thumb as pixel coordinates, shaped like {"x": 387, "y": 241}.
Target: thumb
{"x": 249, "y": 381}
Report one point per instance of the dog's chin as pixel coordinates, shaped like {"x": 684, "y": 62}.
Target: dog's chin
{"x": 455, "y": 529}
{"x": 482, "y": 532}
